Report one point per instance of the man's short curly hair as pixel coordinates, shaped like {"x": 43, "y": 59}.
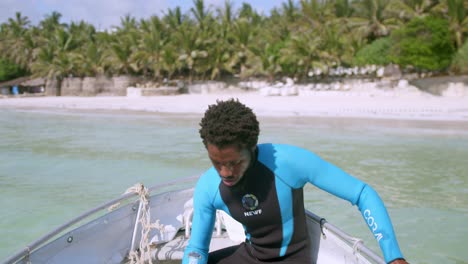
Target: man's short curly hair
{"x": 229, "y": 123}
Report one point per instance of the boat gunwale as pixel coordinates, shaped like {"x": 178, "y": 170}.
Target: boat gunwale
{"x": 26, "y": 251}
{"x": 358, "y": 245}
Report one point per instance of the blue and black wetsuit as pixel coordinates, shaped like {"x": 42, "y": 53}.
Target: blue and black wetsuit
{"x": 268, "y": 202}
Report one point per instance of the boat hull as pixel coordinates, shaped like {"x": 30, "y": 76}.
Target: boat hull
{"x": 108, "y": 237}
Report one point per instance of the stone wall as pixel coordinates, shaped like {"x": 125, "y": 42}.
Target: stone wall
{"x": 393, "y": 84}
{"x": 71, "y": 86}
{"x": 120, "y": 84}
{"x": 91, "y": 86}
{"x": 162, "y": 90}
{"x": 206, "y": 87}
{"x": 51, "y": 88}
{"x": 103, "y": 84}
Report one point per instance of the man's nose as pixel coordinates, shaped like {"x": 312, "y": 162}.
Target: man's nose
{"x": 225, "y": 171}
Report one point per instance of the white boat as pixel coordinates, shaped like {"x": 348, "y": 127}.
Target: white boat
{"x": 108, "y": 236}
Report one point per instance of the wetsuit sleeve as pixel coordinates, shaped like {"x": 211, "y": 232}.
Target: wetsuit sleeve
{"x": 308, "y": 167}
{"x": 204, "y": 216}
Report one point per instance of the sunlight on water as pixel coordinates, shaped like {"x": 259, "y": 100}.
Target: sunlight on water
{"x": 56, "y": 165}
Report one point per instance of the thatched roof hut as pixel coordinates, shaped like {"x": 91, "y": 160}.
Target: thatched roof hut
{"x": 13, "y": 82}
{"x": 24, "y": 81}
{"x": 34, "y": 82}
{"x": 24, "y": 85}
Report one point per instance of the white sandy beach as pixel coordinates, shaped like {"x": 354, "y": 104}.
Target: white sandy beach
{"x": 326, "y": 104}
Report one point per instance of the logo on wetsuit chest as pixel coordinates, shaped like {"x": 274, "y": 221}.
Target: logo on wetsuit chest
{"x": 250, "y": 202}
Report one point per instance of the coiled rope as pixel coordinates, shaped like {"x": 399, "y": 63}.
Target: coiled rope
{"x": 142, "y": 254}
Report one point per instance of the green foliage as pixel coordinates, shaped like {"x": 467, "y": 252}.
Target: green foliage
{"x": 424, "y": 43}
{"x": 9, "y": 70}
{"x": 376, "y": 53}
{"x": 204, "y": 42}
{"x": 460, "y": 61}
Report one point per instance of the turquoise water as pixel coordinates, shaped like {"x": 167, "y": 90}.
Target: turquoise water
{"x": 55, "y": 165}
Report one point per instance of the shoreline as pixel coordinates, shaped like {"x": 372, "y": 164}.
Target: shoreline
{"x": 326, "y": 104}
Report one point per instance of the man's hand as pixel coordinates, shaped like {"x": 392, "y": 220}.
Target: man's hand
{"x": 399, "y": 261}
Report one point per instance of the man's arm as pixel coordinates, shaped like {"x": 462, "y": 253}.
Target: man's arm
{"x": 337, "y": 182}
{"x": 298, "y": 166}
{"x": 204, "y": 216}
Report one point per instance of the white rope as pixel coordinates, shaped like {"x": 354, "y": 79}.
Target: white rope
{"x": 143, "y": 254}
{"x": 113, "y": 207}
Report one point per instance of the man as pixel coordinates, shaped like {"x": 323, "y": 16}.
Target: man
{"x": 261, "y": 186}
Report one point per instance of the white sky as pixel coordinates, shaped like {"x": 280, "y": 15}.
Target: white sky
{"x": 105, "y": 13}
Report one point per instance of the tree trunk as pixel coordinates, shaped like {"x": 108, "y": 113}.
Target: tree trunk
{"x": 59, "y": 86}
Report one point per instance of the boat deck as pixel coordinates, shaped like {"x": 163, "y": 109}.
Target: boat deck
{"x": 173, "y": 251}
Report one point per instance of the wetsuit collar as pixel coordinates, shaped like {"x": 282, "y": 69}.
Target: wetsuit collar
{"x": 248, "y": 172}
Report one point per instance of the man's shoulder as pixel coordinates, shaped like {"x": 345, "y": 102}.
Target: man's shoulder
{"x": 280, "y": 156}
{"x": 289, "y": 163}
{"x": 278, "y": 150}
{"x": 207, "y": 188}
{"x": 209, "y": 180}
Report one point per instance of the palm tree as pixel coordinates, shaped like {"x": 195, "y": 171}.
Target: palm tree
{"x": 220, "y": 42}
{"x": 119, "y": 57}
{"x": 174, "y": 19}
{"x": 18, "y": 25}
{"x": 51, "y": 23}
{"x": 372, "y": 19}
{"x": 93, "y": 55}
{"x": 243, "y": 59}
{"x": 154, "y": 39}
{"x": 128, "y": 24}
{"x": 340, "y": 41}
{"x": 171, "y": 61}
{"x": 17, "y": 42}
{"x": 218, "y": 53}
{"x": 202, "y": 16}
{"x": 290, "y": 11}
{"x": 343, "y": 8}
{"x": 206, "y": 55}
{"x": 89, "y": 53}
{"x": 57, "y": 59}
{"x": 186, "y": 41}
{"x": 315, "y": 14}
{"x": 409, "y": 9}
{"x": 316, "y": 42}
{"x": 458, "y": 18}
{"x": 226, "y": 15}
{"x": 249, "y": 13}
{"x": 268, "y": 52}
{"x": 243, "y": 40}
{"x": 301, "y": 53}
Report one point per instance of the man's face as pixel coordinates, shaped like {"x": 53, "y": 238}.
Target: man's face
{"x": 230, "y": 162}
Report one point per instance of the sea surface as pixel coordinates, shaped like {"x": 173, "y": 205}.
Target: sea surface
{"x": 57, "y": 164}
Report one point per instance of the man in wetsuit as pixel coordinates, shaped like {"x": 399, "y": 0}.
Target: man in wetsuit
{"x": 261, "y": 186}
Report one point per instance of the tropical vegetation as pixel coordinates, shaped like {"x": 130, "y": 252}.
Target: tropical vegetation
{"x": 209, "y": 43}
{"x": 9, "y": 70}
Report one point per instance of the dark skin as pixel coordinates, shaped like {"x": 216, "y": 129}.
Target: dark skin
{"x": 399, "y": 261}
{"x": 231, "y": 162}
